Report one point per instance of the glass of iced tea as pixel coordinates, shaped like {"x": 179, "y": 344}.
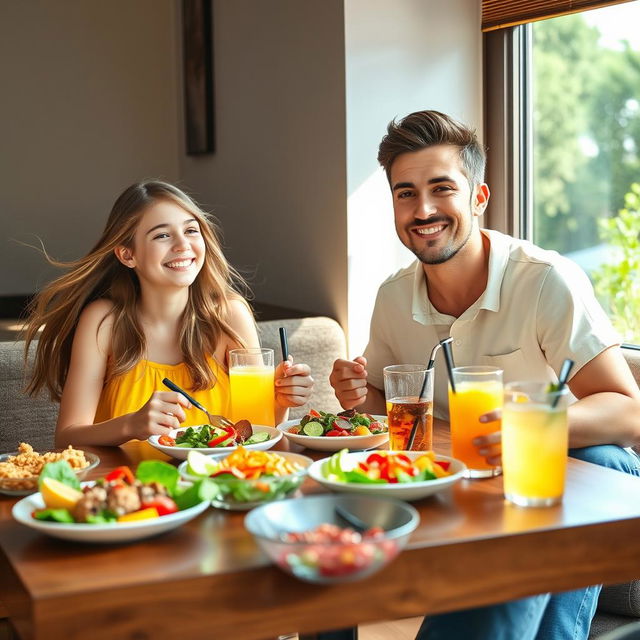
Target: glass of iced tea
{"x": 251, "y": 378}
{"x": 408, "y": 389}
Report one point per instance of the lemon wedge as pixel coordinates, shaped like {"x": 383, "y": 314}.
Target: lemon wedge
{"x": 57, "y": 495}
{"x": 199, "y": 465}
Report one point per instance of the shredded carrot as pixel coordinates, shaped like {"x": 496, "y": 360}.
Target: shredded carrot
{"x": 257, "y": 463}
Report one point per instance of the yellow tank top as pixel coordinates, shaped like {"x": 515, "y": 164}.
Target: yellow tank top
{"x": 129, "y": 391}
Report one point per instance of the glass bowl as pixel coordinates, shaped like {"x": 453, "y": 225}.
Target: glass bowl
{"x": 25, "y": 486}
{"x": 242, "y": 494}
{"x": 345, "y": 560}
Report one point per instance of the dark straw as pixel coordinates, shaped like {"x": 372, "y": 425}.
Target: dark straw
{"x": 283, "y": 344}
{"x": 432, "y": 359}
{"x": 565, "y": 370}
{"x": 448, "y": 358}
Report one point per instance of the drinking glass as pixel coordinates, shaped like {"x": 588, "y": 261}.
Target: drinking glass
{"x": 535, "y": 440}
{"x": 408, "y": 389}
{"x": 251, "y": 376}
{"x": 478, "y": 391}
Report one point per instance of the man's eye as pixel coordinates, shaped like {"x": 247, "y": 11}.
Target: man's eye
{"x": 404, "y": 194}
{"x": 443, "y": 187}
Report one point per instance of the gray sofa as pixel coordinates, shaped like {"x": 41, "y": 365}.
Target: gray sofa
{"x": 316, "y": 341}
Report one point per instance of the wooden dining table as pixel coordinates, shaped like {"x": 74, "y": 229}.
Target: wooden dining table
{"x": 209, "y": 579}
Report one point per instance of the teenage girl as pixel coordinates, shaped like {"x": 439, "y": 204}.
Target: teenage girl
{"x": 154, "y": 298}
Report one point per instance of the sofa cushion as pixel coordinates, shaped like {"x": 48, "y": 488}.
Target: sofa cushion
{"x": 22, "y": 418}
{"x": 316, "y": 342}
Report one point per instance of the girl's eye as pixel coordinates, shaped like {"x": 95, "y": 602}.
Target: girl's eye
{"x": 160, "y": 236}
{"x": 192, "y": 230}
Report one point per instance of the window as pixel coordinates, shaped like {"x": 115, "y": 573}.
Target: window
{"x": 573, "y": 113}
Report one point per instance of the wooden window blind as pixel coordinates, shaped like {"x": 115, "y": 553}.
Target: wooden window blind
{"x": 497, "y": 14}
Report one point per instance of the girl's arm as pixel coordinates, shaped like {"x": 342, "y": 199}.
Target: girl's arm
{"x": 83, "y": 386}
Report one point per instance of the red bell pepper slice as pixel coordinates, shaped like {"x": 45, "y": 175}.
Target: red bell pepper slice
{"x": 314, "y": 413}
{"x": 167, "y": 441}
{"x": 336, "y": 432}
{"x": 214, "y": 442}
{"x": 164, "y": 505}
{"x": 445, "y": 464}
{"x": 120, "y": 473}
{"x": 231, "y": 471}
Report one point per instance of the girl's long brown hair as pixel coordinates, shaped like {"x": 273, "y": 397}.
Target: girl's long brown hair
{"x": 100, "y": 274}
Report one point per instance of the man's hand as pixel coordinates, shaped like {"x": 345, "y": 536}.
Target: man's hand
{"x": 490, "y": 446}
{"x": 349, "y": 381}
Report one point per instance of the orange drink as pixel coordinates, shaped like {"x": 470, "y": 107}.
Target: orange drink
{"x": 535, "y": 440}
{"x": 408, "y": 390}
{"x": 478, "y": 391}
{"x": 251, "y": 377}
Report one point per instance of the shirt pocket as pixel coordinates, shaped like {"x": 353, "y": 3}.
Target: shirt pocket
{"x": 514, "y": 365}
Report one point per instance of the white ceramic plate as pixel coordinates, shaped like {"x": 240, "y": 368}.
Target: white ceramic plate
{"x": 102, "y": 533}
{"x": 401, "y": 491}
{"x": 233, "y": 505}
{"x": 330, "y": 443}
{"x": 181, "y": 453}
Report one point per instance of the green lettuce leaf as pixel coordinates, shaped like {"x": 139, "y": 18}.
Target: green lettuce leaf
{"x": 61, "y": 471}
{"x": 157, "y": 471}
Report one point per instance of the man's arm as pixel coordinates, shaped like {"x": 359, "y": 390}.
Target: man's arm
{"x": 608, "y": 407}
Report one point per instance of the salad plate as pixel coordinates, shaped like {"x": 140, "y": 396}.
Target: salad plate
{"x": 320, "y": 471}
{"x": 112, "y": 532}
{"x": 334, "y": 443}
{"x": 243, "y": 494}
{"x": 181, "y": 453}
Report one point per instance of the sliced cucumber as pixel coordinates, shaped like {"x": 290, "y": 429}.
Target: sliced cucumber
{"x": 312, "y": 428}
{"x": 259, "y": 436}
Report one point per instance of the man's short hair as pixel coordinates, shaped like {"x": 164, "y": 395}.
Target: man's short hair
{"x": 424, "y": 129}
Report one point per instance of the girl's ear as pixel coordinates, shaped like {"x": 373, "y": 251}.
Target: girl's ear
{"x": 125, "y": 256}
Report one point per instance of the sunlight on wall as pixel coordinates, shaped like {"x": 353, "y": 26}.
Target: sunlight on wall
{"x": 374, "y": 253}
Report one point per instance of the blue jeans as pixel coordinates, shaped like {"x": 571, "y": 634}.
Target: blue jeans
{"x": 549, "y": 616}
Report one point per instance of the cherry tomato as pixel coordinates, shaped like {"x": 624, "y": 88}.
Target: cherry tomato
{"x": 167, "y": 441}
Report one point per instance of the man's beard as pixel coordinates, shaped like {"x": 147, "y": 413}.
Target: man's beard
{"x": 445, "y": 254}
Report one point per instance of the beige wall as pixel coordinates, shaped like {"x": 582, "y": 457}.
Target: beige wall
{"x": 89, "y": 105}
{"x": 92, "y": 101}
{"x": 277, "y": 181}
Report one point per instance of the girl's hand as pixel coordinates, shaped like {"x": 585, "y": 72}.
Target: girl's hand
{"x": 490, "y": 446}
{"x": 293, "y": 384}
{"x": 163, "y": 411}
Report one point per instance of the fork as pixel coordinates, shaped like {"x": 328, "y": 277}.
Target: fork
{"x": 214, "y": 419}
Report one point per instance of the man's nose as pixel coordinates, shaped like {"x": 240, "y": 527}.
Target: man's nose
{"x": 426, "y": 208}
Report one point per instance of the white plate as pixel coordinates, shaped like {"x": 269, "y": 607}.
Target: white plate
{"x": 401, "y": 491}
{"x": 181, "y": 453}
{"x": 234, "y": 505}
{"x": 331, "y": 443}
{"x": 102, "y": 533}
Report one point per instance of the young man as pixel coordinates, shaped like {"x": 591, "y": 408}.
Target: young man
{"x": 505, "y": 302}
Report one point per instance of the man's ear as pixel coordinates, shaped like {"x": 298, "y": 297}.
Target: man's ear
{"x": 480, "y": 199}
{"x": 125, "y": 255}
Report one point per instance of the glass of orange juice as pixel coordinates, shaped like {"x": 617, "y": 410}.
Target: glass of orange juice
{"x": 535, "y": 440}
{"x": 251, "y": 377}
{"x": 478, "y": 390}
{"x": 408, "y": 389}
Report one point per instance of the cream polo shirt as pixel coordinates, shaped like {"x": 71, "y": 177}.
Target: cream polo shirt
{"x": 538, "y": 309}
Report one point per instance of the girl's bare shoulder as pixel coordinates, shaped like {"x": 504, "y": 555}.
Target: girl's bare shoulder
{"x": 96, "y": 320}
